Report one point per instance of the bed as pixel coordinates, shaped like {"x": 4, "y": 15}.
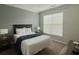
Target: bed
{"x": 33, "y": 45}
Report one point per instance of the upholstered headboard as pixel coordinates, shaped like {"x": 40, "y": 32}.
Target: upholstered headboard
{"x": 20, "y": 26}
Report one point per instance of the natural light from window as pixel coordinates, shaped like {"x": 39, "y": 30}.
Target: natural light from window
{"x": 53, "y": 24}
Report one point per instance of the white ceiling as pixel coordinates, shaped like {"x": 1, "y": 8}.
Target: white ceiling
{"x": 35, "y": 7}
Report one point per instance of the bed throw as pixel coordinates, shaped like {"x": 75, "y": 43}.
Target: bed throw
{"x": 25, "y": 37}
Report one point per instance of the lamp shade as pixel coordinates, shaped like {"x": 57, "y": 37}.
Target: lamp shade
{"x": 38, "y": 28}
{"x": 3, "y": 31}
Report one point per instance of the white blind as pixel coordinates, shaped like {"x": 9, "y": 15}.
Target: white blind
{"x": 53, "y": 24}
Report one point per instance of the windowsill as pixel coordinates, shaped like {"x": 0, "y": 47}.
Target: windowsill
{"x": 54, "y": 35}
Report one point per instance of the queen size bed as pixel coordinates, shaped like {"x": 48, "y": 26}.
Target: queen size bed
{"x": 28, "y": 42}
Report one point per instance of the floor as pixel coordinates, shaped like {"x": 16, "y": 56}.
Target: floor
{"x": 54, "y": 49}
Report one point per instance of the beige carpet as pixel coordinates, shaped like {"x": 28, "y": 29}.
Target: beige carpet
{"x": 53, "y": 49}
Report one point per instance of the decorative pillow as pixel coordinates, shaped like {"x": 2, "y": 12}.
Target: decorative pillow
{"x": 28, "y": 30}
{"x": 20, "y": 31}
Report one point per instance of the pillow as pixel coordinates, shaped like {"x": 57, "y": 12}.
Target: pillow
{"x": 20, "y": 30}
{"x": 28, "y": 30}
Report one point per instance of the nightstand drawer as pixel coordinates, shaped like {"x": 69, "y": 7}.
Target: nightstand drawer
{"x": 3, "y": 47}
{"x": 3, "y": 43}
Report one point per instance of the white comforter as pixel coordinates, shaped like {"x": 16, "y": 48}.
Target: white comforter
{"x": 33, "y": 45}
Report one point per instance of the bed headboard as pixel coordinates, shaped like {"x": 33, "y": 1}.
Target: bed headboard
{"x": 20, "y": 26}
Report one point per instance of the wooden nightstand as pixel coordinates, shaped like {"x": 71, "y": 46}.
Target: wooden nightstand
{"x": 72, "y": 48}
{"x": 6, "y": 41}
{"x": 76, "y": 49}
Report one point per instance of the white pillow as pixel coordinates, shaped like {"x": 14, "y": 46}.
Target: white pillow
{"x": 28, "y": 30}
{"x": 20, "y": 31}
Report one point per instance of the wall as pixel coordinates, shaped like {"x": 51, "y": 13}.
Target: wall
{"x": 70, "y": 22}
{"x": 11, "y": 15}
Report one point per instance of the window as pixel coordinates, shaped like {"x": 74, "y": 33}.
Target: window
{"x": 53, "y": 24}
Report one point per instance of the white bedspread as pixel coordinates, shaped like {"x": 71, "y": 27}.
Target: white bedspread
{"x": 34, "y": 45}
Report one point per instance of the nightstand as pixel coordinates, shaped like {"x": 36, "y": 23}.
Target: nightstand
{"x": 6, "y": 41}
{"x": 76, "y": 49}
{"x": 73, "y": 48}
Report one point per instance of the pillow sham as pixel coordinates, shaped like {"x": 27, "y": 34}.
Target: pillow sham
{"x": 20, "y": 30}
{"x": 28, "y": 30}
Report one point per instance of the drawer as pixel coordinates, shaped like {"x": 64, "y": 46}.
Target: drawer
{"x": 3, "y": 47}
{"x": 3, "y": 41}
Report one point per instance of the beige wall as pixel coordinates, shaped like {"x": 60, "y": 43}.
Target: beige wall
{"x": 70, "y": 22}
